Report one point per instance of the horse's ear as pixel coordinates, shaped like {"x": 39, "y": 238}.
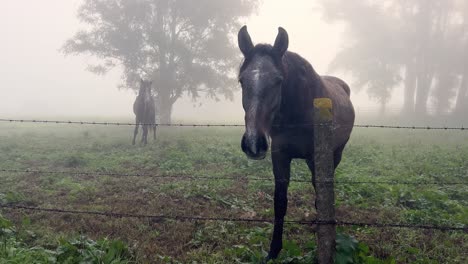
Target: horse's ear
{"x": 245, "y": 42}
{"x": 282, "y": 41}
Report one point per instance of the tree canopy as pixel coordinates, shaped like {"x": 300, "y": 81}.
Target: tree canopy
{"x": 419, "y": 44}
{"x": 184, "y": 46}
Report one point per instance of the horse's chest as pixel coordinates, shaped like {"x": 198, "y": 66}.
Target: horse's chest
{"x": 299, "y": 145}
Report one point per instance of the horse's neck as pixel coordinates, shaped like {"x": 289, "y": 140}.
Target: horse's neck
{"x": 302, "y": 85}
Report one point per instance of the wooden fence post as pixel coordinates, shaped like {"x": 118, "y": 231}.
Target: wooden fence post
{"x": 324, "y": 179}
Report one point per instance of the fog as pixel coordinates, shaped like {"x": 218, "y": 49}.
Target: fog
{"x": 38, "y": 80}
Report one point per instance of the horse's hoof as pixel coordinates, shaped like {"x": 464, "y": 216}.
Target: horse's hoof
{"x": 268, "y": 258}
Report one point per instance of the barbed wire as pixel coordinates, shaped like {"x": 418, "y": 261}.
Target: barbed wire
{"x": 101, "y": 123}
{"x": 190, "y": 177}
{"x": 462, "y": 128}
{"x": 228, "y": 219}
{"x": 112, "y": 123}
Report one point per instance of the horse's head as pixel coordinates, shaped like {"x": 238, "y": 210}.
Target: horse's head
{"x": 145, "y": 88}
{"x": 261, "y": 77}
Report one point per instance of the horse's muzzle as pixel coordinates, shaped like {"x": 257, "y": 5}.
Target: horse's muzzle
{"x": 255, "y": 147}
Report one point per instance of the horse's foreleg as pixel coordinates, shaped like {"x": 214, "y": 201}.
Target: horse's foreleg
{"x": 281, "y": 170}
{"x": 144, "y": 138}
{"x": 154, "y": 131}
{"x": 135, "y": 133}
{"x": 311, "y": 165}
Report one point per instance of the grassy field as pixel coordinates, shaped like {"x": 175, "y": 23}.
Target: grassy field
{"x": 372, "y": 155}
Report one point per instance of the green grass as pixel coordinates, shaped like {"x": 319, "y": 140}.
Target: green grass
{"x": 16, "y": 247}
{"x": 372, "y": 155}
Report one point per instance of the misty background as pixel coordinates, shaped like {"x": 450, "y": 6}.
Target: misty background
{"x": 401, "y": 58}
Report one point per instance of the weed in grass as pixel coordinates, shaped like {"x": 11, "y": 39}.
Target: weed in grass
{"x": 80, "y": 250}
{"x": 74, "y": 161}
{"x": 12, "y": 197}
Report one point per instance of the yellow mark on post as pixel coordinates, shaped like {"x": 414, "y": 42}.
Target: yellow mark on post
{"x": 323, "y": 108}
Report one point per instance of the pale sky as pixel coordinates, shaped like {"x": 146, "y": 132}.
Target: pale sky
{"x": 36, "y": 80}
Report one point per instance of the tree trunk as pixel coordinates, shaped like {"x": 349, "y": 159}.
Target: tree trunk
{"x": 423, "y": 59}
{"x": 383, "y": 107}
{"x": 166, "y": 77}
{"x": 410, "y": 90}
{"x": 422, "y": 95}
{"x": 165, "y": 114}
{"x": 444, "y": 91}
{"x": 165, "y": 105}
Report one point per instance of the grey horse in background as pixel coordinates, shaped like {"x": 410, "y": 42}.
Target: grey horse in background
{"x": 145, "y": 112}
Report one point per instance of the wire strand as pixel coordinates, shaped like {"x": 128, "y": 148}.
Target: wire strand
{"x": 5, "y": 120}
{"x": 189, "y": 177}
{"x": 229, "y": 219}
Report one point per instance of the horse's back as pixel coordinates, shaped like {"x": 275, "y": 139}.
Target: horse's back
{"x": 336, "y": 83}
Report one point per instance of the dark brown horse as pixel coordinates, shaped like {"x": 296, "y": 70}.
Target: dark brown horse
{"x": 145, "y": 112}
{"x": 278, "y": 91}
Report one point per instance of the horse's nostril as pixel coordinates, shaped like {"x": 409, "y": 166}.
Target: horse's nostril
{"x": 249, "y": 146}
{"x": 244, "y": 144}
{"x": 254, "y": 147}
{"x": 262, "y": 144}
